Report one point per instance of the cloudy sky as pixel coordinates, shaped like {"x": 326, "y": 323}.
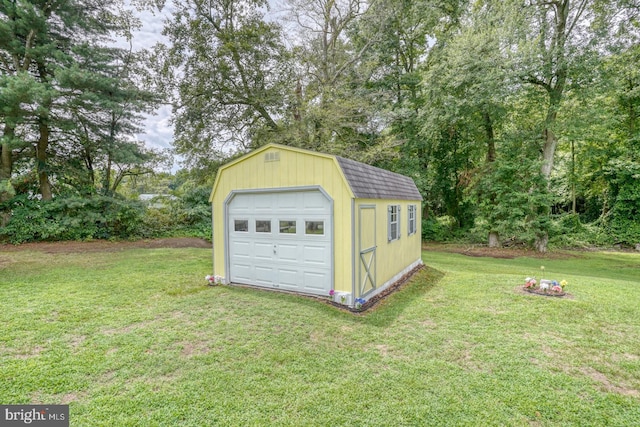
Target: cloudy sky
{"x": 158, "y": 132}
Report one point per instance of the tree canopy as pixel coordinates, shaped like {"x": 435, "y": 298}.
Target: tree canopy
{"x": 517, "y": 119}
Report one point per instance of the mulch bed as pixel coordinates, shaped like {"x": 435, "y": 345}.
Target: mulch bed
{"x": 543, "y": 293}
{"x": 524, "y": 290}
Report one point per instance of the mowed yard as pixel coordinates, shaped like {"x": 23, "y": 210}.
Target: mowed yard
{"x": 135, "y": 338}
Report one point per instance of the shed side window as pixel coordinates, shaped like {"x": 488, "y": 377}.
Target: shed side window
{"x": 393, "y": 222}
{"x": 411, "y": 224}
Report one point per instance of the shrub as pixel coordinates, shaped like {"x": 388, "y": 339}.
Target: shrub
{"x": 625, "y": 214}
{"x": 188, "y": 215}
{"x": 512, "y": 199}
{"x": 72, "y": 218}
{"x": 438, "y": 228}
{"x": 567, "y": 231}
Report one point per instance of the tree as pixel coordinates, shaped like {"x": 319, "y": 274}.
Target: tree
{"x": 63, "y": 85}
{"x": 332, "y": 108}
{"x": 549, "y": 39}
{"x": 105, "y": 104}
{"x": 547, "y": 43}
{"x": 17, "y": 94}
{"x": 397, "y": 58}
{"x": 463, "y": 102}
{"x": 20, "y": 30}
{"x": 229, "y": 72}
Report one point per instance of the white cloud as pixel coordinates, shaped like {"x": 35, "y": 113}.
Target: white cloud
{"x": 158, "y": 131}
{"x": 157, "y": 128}
{"x": 151, "y": 30}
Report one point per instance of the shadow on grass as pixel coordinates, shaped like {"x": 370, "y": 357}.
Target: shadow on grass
{"x": 382, "y": 314}
{"x": 393, "y": 305}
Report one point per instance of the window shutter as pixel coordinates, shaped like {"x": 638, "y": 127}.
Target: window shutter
{"x": 388, "y": 223}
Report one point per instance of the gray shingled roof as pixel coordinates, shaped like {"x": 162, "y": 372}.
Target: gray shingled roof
{"x": 369, "y": 182}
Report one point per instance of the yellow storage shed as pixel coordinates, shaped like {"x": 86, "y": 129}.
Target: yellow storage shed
{"x": 296, "y": 220}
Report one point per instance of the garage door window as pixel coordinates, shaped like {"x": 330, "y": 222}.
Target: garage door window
{"x": 263, "y": 226}
{"x": 287, "y": 227}
{"x": 314, "y": 227}
{"x": 241, "y": 225}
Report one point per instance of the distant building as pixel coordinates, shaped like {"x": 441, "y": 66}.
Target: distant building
{"x": 156, "y": 201}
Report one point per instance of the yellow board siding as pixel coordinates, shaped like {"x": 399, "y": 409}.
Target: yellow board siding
{"x": 295, "y": 168}
{"x": 391, "y": 256}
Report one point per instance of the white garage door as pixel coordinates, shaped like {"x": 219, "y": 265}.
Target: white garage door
{"x": 281, "y": 240}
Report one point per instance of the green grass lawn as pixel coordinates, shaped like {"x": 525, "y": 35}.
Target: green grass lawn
{"x": 135, "y": 338}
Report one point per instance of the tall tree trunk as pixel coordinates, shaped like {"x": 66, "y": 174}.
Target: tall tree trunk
{"x": 541, "y": 242}
{"x": 573, "y": 178}
{"x": 41, "y": 158}
{"x": 491, "y": 142}
{"x": 6, "y": 168}
{"x": 494, "y": 239}
{"x": 550, "y": 144}
{"x": 494, "y": 236}
{"x": 43, "y": 140}
{"x": 556, "y": 63}
{"x": 88, "y": 162}
{"x": 549, "y": 148}
{"x": 6, "y": 160}
{"x": 106, "y": 183}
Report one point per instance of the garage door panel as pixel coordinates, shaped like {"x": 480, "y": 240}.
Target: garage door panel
{"x": 264, "y": 275}
{"x": 288, "y": 202}
{"x": 263, "y": 251}
{"x": 313, "y": 202}
{"x": 288, "y": 252}
{"x": 262, "y": 203}
{"x": 288, "y": 278}
{"x": 240, "y": 249}
{"x": 316, "y": 255}
{"x": 285, "y": 255}
{"x": 241, "y": 272}
{"x": 314, "y": 281}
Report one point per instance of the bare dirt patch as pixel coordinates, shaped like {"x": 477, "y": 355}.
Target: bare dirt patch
{"x": 383, "y": 349}
{"x": 4, "y": 260}
{"x": 35, "y": 351}
{"x": 107, "y": 246}
{"x": 503, "y": 253}
{"x": 601, "y": 378}
{"x": 78, "y": 341}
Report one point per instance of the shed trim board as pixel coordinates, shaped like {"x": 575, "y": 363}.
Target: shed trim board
{"x": 278, "y": 283}
{"x": 353, "y": 246}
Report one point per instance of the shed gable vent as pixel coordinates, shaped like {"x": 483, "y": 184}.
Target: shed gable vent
{"x": 273, "y": 156}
